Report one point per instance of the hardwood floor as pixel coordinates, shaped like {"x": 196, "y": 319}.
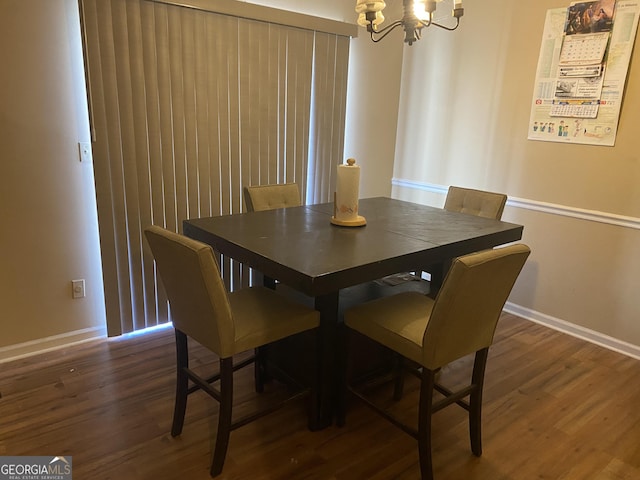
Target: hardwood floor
{"x": 555, "y": 407}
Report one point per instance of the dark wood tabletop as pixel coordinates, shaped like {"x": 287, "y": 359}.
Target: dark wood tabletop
{"x": 301, "y": 248}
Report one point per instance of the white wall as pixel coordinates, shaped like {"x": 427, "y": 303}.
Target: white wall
{"x": 464, "y": 116}
{"x": 372, "y": 106}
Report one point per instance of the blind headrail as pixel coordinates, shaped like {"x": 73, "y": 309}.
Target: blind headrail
{"x": 262, "y": 13}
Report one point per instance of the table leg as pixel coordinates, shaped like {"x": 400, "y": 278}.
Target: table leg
{"x": 437, "y": 276}
{"x": 438, "y": 272}
{"x": 261, "y": 372}
{"x": 327, "y": 305}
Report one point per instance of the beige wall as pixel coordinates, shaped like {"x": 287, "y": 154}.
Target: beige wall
{"x": 372, "y": 106}
{"x": 47, "y": 202}
{"x": 464, "y": 116}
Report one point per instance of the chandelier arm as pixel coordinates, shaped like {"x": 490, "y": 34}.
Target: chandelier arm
{"x": 410, "y": 22}
{"x": 451, "y": 29}
{"x": 431, "y": 22}
{"x": 385, "y": 31}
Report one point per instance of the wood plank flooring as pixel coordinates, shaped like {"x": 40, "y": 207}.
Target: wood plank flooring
{"x": 555, "y": 407}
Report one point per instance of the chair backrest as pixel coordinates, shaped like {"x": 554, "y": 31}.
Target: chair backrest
{"x": 475, "y": 202}
{"x": 199, "y": 303}
{"x": 469, "y": 304}
{"x": 269, "y": 197}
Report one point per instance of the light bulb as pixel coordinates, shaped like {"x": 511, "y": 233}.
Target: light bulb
{"x": 363, "y": 6}
{"x": 420, "y": 11}
{"x": 364, "y": 22}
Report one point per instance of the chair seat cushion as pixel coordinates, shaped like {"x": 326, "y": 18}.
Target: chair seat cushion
{"x": 397, "y": 322}
{"x": 262, "y": 316}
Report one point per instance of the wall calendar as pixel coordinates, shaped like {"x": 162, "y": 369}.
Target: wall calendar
{"x": 582, "y": 69}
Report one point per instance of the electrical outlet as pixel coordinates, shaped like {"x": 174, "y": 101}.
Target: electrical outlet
{"x": 77, "y": 288}
{"x": 85, "y": 151}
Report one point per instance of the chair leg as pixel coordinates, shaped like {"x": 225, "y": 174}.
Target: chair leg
{"x": 314, "y": 388}
{"x": 475, "y": 401}
{"x": 182, "y": 383}
{"x": 224, "y": 416}
{"x": 437, "y": 272}
{"x": 260, "y": 368}
{"x": 424, "y": 423}
{"x": 342, "y": 389}
{"x": 260, "y": 374}
{"x": 398, "y": 377}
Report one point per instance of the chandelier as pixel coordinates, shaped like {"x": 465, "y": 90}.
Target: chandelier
{"x": 417, "y": 14}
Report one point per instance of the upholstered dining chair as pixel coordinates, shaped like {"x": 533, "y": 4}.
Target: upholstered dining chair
{"x": 475, "y": 202}
{"x": 258, "y": 198}
{"x": 269, "y": 197}
{"x": 432, "y": 333}
{"x": 225, "y": 323}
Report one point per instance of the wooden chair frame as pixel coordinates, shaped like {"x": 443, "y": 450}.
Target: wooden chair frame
{"x": 427, "y": 407}
{"x": 429, "y": 334}
{"x": 223, "y": 395}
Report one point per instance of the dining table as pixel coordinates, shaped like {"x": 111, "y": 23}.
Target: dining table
{"x": 302, "y": 249}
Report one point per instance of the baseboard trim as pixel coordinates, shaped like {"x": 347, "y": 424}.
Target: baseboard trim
{"x": 577, "y": 331}
{"x": 47, "y": 344}
{"x": 545, "y": 207}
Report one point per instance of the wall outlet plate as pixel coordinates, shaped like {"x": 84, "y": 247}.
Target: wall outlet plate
{"x": 85, "y": 152}
{"x": 77, "y": 288}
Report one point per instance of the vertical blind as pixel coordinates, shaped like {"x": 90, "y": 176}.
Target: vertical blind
{"x": 189, "y": 106}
